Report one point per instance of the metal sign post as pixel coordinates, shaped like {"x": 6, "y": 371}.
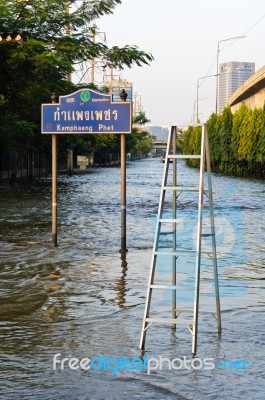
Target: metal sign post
{"x": 54, "y": 184}
{"x": 123, "y": 250}
{"x": 87, "y": 112}
{"x": 123, "y": 196}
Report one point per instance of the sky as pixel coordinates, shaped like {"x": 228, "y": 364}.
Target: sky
{"x": 183, "y": 38}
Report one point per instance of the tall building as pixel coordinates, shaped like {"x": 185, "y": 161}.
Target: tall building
{"x": 231, "y": 76}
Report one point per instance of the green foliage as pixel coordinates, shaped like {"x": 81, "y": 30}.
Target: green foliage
{"x": 260, "y": 154}
{"x": 11, "y": 133}
{"x": 225, "y": 134}
{"x": 32, "y": 69}
{"x": 128, "y": 55}
{"x": 214, "y": 123}
{"x": 180, "y": 140}
{"x": 237, "y": 142}
{"x": 141, "y": 119}
{"x": 45, "y": 24}
{"x": 192, "y": 143}
{"x": 139, "y": 143}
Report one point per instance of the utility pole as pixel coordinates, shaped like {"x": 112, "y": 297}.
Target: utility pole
{"x": 111, "y": 79}
{"x": 197, "y": 96}
{"x": 92, "y": 79}
{"x": 69, "y": 78}
{"x": 67, "y": 32}
{"x": 95, "y": 32}
{"x": 137, "y": 106}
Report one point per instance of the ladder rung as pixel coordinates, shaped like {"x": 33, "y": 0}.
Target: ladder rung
{"x": 200, "y": 312}
{"x": 175, "y": 253}
{"x": 169, "y": 321}
{"x": 207, "y": 234}
{"x": 184, "y": 156}
{"x": 183, "y": 188}
{"x": 175, "y": 220}
{"x": 169, "y": 287}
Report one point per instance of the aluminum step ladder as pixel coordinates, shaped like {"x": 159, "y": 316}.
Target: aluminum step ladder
{"x": 175, "y": 251}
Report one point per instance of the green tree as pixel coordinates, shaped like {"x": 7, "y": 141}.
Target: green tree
{"x": 140, "y": 142}
{"x": 214, "y": 124}
{"x": 255, "y": 133}
{"x": 32, "y": 69}
{"x": 238, "y": 120}
{"x": 245, "y": 135}
{"x": 260, "y": 157}
{"x": 192, "y": 143}
{"x": 141, "y": 119}
{"x": 237, "y": 141}
{"x": 225, "y": 136}
{"x": 45, "y": 23}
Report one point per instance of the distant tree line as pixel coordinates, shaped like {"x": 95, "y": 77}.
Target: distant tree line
{"x": 105, "y": 149}
{"x": 237, "y": 142}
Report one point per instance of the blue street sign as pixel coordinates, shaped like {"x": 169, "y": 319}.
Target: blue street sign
{"x": 86, "y": 111}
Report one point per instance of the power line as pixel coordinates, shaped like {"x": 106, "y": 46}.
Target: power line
{"x": 256, "y": 23}
{"x": 230, "y": 44}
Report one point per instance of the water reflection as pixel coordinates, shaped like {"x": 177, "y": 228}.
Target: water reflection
{"x": 120, "y": 285}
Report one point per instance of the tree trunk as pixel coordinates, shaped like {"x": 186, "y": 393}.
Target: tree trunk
{"x": 17, "y": 164}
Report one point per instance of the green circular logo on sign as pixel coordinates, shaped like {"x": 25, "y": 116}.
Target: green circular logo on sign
{"x": 85, "y": 96}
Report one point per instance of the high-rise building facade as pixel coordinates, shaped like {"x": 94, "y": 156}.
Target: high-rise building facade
{"x": 231, "y": 76}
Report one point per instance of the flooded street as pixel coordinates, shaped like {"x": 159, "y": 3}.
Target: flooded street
{"x": 81, "y": 300}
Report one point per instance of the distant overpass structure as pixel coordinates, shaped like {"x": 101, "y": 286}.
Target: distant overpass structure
{"x": 252, "y": 92}
{"x": 159, "y": 144}
{"x": 160, "y": 135}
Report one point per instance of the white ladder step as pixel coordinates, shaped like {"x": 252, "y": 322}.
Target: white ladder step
{"x": 170, "y": 287}
{"x": 184, "y": 156}
{"x": 184, "y": 188}
{"x": 200, "y": 312}
{"x": 169, "y": 321}
{"x": 175, "y": 253}
{"x": 166, "y": 220}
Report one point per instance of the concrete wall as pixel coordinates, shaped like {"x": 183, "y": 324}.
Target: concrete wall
{"x": 255, "y": 101}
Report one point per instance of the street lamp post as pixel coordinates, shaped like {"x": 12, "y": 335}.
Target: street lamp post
{"x": 197, "y": 97}
{"x": 194, "y": 109}
{"x": 217, "y": 67}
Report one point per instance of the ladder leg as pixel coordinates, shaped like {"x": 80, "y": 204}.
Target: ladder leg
{"x": 198, "y": 247}
{"x": 174, "y": 227}
{"x": 147, "y": 303}
{"x": 214, "y": 255}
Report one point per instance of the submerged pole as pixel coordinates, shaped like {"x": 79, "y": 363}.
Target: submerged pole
{"x": 123, "y": 250}
{"x": 54, "y": 183}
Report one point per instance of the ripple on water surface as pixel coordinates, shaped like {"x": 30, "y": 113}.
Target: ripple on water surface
{"x": 81, "y": 300}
